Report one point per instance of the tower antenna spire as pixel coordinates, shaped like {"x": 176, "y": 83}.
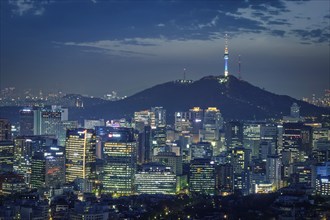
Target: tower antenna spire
{"x": 239, "y": 67}
{"x": 184, "y": 74}
{"x": 226, "y": 56}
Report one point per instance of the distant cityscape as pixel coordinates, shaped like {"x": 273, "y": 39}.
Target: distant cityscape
{"x": 201, "y": 166}
{"x": 11, "y": 97}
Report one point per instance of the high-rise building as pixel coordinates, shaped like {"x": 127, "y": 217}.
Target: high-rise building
{"x": 160, "y": 116}
{"x": 119, "y": 149}
{"x": 182, "y": 121}
{"x": 197, "y": 119}
{"x": 48, "y": 120}
{"x": 26, "y": 121}
{"x": 155, "y": 179}
{"x": 202, "y": 177}
{"x": 295, "y": 111}
{"x": 234, "y": 134}
{"x": 212, "y": 123}
{"x": 24, "y": 149}
{"x": 251, "y": 137}
{"x": 6, "y": 155}
{"x": 144, "y": 151}
{"x": 269, "y": 134}
{"x": 293, "y": 142}
{"x": 146, "y": 117}
{"x": 80, "y": 154}
{"x": 65, "y": 125}
{"x": 302, "y": 173}
{"x": 322, "y": 180}
{"x": 273, "y": 171}
{"x": 158, "y": 139}
{"x": 201, "y": 150}
{"x": 240, "y": 160}
{"x": 170, "y": 159}
{"x": 224, "y": 179}
{"x": 91, "y": 124}
{"x": 48, "y": 167}
{"x": 5, "y": 130}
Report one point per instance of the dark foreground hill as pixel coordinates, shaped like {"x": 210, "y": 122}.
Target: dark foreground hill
{"x": 236, "y": 99}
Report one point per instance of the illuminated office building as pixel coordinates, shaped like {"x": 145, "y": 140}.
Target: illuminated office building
{"x": 240, "y": 159}
{"x": 273, "y": 171}
{"x": 6, "y": 155}
{"x": 145, "y": 117}
{"x": 80, "y": 155}
{"x": 119, "y": 151}
{"x": 196, "y": 116}
{"x": 322, "y": 180}
{"x": 24, "y": 148}
{"x": 160, "y": 116}
{"x": 212, "y": 124}
{"x": 234, "y": 134}
{"x": 170, "y": 159}
{"x": 155, "y": 179}
{"x": 201, "y": 150}
{"x": 158, "y": 139}
{"x": 251, "y": 138}
{"x": 91, "y": 124}
{"x": 202, "y": 177}
{"x": 26, "y": 121}
{"x": 182, "y": 121}
{"x": 48, "y": 120}
{"x": 48, "y": 167}
{"x": 5, "y": 130}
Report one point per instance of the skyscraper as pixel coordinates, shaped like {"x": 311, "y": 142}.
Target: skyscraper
{"x": 202, "y": 177}
{"x": 26, "y": 121}
{"x": 234, "y": 134}
{"x": 24, "y": 148}
{"x": 5, "y": 130}
{"x": 119, "y": 150}
{"x": 155, "y": 179}
{"x": 48, "y": 167}
{"x": 48, "y": 120}
{"x": 80, "y": 154}
{"x": 160, "y": 116}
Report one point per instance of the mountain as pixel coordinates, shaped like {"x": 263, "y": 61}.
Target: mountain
{"x": 235, "y": 98}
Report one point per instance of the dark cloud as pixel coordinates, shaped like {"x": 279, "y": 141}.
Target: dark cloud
{"x": 316, "y": 35}
{"x": 278, "y": 33}
{"x": 278, "y": 22}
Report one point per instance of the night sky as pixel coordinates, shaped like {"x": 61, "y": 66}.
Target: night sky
{"x": 94, "y": 47}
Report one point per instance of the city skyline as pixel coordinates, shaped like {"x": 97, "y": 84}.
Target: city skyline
{"x": 95, "y": 47}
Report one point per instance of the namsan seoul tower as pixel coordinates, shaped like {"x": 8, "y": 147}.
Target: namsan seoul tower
{"x": 226, "y": 56}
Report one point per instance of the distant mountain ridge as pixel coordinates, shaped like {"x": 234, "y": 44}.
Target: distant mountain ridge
{"x": 235, "y": 98}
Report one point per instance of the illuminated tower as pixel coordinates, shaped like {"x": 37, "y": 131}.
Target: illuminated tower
{"x": 226, "y": 56}
{"x": 80, "y": 151}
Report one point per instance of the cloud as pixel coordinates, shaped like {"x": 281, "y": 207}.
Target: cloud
{"x": 315, "y": 35}
{"x": 212, "y": 23}
{"x": 160, "y": 25}
{"x": 144, "y": 47}
{"x": 23, "y": 7}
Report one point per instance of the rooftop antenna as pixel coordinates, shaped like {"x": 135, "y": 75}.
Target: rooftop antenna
{"x": 239, "y": 67}
{"x": 184, "y": 74}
